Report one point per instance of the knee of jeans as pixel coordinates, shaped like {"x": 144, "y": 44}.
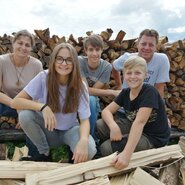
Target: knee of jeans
{"x": 106, "y": 148}
{"x": 99, "y": 125}
{"x": 92, "y": 148}
{"x": 25, "y": 117}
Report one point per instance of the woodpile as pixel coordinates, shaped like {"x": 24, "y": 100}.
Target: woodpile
{"x": 144, "y": 168}
{"x": 113, "y": 48}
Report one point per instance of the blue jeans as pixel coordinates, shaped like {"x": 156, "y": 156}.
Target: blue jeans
{"x": 32, "y": 123}
{"x": 95, "y": 109}
{"x": 7, "y": 111}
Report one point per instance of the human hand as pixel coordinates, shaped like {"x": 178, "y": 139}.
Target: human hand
{"x": 115, "y": 92}
{"x": 115, "y": 133}
{"x": 120, "y": 161}
{"x": 18, "y": 126}
{"x": 81, "y": 151}
{"x": 49, "y": 118}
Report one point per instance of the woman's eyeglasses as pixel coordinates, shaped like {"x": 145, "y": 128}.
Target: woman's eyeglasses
{"x": 61, "y": 60}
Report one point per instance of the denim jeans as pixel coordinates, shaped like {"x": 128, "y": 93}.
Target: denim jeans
{"x": 7, "y": 111}
{"x": 108, "y": 147}
{"x": 32, "y": 123}
{"x": 95, "y": 109}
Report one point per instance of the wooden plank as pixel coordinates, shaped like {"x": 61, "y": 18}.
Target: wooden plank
{"x": 103, "y": 167}
{"x": 140, "y": 177}
{"x": 20, "y": 152}
{"x": 19, "y": 169}
{"x": 123, "y": 179}
{"x": 143, "y": 158}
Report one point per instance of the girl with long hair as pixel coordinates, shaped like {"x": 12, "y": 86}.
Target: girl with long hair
{"x": 50, "y": 104}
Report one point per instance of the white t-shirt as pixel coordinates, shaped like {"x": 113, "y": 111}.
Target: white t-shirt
{"x": 158, "y": 68}
{"x": 37, "y": 89}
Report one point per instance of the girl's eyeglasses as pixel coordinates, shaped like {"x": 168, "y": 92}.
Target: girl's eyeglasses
{"x": 61, "y": 60}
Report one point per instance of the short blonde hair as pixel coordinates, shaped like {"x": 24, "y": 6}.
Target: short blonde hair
{"x": 135, "y": 61}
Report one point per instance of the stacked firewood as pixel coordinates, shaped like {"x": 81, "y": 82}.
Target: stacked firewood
{"x": 175, "y": 91}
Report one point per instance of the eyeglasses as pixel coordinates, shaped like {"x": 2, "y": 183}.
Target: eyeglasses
{"x": 61, "y": 60}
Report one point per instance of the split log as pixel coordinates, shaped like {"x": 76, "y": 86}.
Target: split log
{"x": 18, "y": 170}
{"x": 121, "y": 179}
{"x": 102, "y": 167}
{"x": 20, "y": 152}
{"x": 140, "y": 177}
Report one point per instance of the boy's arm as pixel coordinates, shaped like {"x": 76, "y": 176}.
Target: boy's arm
{"x": 107, "y": 116}
{"x": 98, "y": 89}
{"x": 122, "y": 160}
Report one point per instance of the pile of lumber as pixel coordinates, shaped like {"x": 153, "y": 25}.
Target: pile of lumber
{"x": 145, "y": 168}
{"x": 113, "y": 48}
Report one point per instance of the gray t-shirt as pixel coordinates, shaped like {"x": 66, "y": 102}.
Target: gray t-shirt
{"x": 102, "y": 73}
{"x": 37, "y": 89}
{"x": 8, "y": 74}
{"x": 158, "y": 68}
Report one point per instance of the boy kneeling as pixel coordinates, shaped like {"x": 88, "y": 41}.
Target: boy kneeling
{"x": 144, "y": 125}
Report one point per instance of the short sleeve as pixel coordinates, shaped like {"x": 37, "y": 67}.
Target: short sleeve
{"x": 35, "y": 87}
{"x": 83, "y": 108}
{"x": 118, "y": 63}
{"x": 163, "y": 74}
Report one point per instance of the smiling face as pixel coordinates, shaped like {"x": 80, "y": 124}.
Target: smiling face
{"x": 134, "y": 77}
{"x": 146, "y": 47}
{"x": 93, "y": 54}
{"x": 135, "y": 71}
{"x": 22, "y": 46}
{"x": 64, "y": 68}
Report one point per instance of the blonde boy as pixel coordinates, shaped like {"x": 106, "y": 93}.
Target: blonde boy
{"x": 145, "y": 124}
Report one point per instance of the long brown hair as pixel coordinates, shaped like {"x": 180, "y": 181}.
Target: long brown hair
{"x": 75, "y": 85}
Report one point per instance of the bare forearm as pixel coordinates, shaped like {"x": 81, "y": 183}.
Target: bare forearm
{"x": 21, "y": 103}
{"x": 5, "y": 99}
{"x": 108, "y": 118}
{"x": 101, "y": 92}
{"x": 134, "y": 137}
{"x": 84, "y": 129}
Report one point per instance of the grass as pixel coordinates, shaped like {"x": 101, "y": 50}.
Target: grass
{"x": 57, "y": 154}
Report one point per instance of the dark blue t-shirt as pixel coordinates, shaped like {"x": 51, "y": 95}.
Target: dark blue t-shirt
{"x": 156, "y": 129}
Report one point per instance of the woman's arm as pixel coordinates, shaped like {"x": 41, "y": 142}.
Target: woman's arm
{"x": 122, "y": 160}
{"x": 81, "y": 150}
{"x": 5, "y": 99}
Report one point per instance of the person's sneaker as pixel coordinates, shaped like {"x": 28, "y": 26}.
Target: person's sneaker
{"x": 37, "y": 158}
